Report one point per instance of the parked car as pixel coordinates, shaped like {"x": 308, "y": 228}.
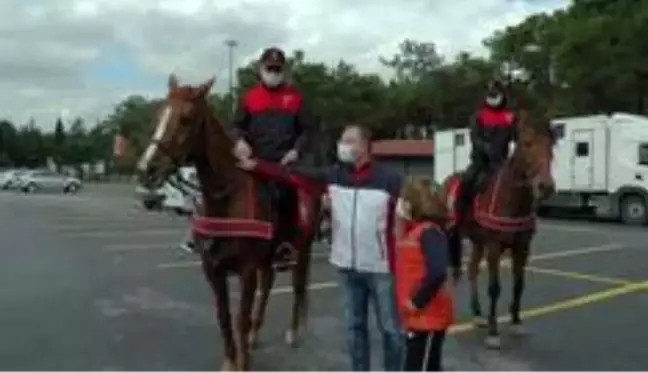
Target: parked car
{"x": 151, "y": 198}
{"x": 45, "y": 180}
{"x": 9, "y": 179}
{"x": 176, "y": 200}
{"x": 168, "y": 197}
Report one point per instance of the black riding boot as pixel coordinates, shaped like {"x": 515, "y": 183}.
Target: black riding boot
{"x": 464, "y": 201}
{"x": 286, "y": 252}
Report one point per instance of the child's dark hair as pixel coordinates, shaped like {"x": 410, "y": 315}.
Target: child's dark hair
{"x": 425, "y": 200}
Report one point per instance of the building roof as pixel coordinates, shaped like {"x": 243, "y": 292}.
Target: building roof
{"x": 403, "y": 148}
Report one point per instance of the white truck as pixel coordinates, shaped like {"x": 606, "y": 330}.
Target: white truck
{"x": 600, "y": 164}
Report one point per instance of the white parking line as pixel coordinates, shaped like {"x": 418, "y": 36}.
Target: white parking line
{"x": 196, "y": 263}
{"x": 315, "y": 286}
{"x": 575, "y": 228}
{"x": 98, "y": 218}
{"x": 540, "y": 257}
{"x": 137, "y": 247}
{"x": 124, "y": 228}
{"x": 122, "y": 234}
{"x": 533, "y": 258}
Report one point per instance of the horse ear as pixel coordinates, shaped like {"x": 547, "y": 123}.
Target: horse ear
{"x": 173, "y": 81}
{"x": 204, "y": 88}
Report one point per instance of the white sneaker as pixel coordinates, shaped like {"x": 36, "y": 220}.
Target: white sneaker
{"x": 188, "y": 247}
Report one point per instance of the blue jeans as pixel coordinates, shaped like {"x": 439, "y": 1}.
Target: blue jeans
{"x": 359, "y": 289}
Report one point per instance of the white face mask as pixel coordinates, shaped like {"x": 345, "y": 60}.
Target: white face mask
{"x": 494, "y": 100}
{"x": 271, "y": 78}
{"x": 345, "y": 153}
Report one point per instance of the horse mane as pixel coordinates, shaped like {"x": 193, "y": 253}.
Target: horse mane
{"x": 541, "y": 126}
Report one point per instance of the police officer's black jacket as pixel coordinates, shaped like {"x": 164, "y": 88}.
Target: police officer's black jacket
{"x": 491, "y": 132}
{"x": 273, "y": 121}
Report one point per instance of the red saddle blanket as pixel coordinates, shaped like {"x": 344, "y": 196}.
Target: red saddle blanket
{"x": 251, "y": 226}
{"x": 485, "y": 208}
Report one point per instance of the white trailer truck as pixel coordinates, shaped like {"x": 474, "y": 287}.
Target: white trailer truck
{"x": 600, "y": 164}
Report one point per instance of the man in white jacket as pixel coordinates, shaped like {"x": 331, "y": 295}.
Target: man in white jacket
{"x": 363, "y": 197}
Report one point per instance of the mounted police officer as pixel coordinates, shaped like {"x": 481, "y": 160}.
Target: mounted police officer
{"x": 271, "y": 124}
{"x": 493, "y": 128}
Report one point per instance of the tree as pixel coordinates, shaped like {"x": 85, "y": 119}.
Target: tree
{"x": 31, "y": 151}
{"x": 414, "y": 61}
{"x": 590, "y": 57}
{"x": 8, "y": 138}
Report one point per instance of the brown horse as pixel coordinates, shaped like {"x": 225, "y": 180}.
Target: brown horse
{"x": 234, "y": 233}
{"x": 503, "y": 216}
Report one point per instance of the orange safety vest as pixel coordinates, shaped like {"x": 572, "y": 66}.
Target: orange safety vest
{"x": 410, "y": 270}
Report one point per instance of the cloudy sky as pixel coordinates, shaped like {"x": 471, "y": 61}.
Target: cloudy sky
{"x": 80, "y": 57}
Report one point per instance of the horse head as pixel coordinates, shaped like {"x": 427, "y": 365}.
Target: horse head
{"x": 181, "y": 121}
{"x": 534, "y": 154}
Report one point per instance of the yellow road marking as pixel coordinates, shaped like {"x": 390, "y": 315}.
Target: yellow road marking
{"x": 566, "y": 304}
{"x": 579, "y": 276}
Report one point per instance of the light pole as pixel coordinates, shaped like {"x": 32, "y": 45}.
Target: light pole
{"x": 550, "y": 66}
{"x": 231, "y": 44}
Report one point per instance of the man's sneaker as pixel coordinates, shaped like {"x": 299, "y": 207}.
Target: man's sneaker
{"x": 189, "y": 247}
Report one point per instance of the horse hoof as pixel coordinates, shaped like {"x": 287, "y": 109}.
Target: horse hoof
{"x": 518, "y": 330}
{"x": 228, "y": 366}
{"x": 291, "y": 339}
{"x": 493, "y": 342}
{"x": 479, "y": 322}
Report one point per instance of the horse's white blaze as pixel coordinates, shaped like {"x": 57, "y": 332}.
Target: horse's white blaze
{"x": 157, "y": 137}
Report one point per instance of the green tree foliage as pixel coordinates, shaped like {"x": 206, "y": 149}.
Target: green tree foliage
{"x": 591, "y": 57}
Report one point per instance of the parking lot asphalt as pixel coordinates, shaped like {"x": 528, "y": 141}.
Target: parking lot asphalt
{"x": 94, "y": 282}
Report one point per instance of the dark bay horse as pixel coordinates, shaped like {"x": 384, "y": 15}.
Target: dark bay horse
{"x": 503, "y": 217}
{"x": 234, "y": 232}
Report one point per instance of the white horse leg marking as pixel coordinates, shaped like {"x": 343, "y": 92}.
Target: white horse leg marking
{"x": 160, "y": 130}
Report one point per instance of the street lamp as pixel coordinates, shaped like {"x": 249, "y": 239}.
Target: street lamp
{"x": 549, "y": 66}
{"x": 231, "y": 44}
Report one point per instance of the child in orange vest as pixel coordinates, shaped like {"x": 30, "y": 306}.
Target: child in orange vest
{"x": 423, "y": 298}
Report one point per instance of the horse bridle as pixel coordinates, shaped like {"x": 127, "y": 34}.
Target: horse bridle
{"x": 178, "y": 181}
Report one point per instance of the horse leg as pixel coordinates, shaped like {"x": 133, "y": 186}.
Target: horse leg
{"x": 494, "y": 289}
{"x": 248, "y": 278}
{"x": 519, "y": 258}
{"x": 265, "y": 277}
{"x": 476, "y": 257}
{"x": 217, "y": 279}
{"x": 300, "y": 276}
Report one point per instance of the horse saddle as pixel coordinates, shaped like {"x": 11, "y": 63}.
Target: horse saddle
{"x": 292, "y": 209}
{"x": 482, "y": 202}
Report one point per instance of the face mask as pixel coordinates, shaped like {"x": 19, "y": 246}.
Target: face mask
{"x": 271, "y": 78}
{"x": 494, "y": 100}
{"x": 345, "y": 153}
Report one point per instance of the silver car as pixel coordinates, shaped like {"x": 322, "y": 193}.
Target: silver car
{"x": 45, "y": 180}
{"x": 9, "y": 179}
